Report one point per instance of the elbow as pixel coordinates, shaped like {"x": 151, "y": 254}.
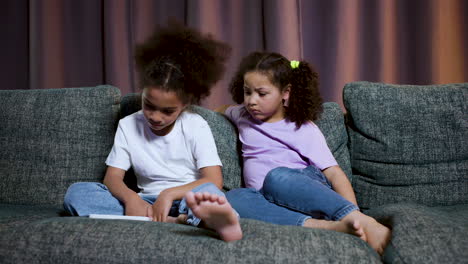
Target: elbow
{"x": 105, "y": 181}
{"x": 213, "y": 174}
{"x": 218, "y": 183}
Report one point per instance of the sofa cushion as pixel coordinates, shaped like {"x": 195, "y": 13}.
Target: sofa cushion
{"x": 18, "y": 215}
{"x": 227, "y": 144}
{"x": 408, "y": 143}
{"x": 422, "y": 234}
{"x": 83, "y": 240}
{"x": 332, "y": 125}
{"x": 52, "y": 138}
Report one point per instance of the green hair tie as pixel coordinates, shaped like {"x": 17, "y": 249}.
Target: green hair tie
{"x": 294, "y": 64}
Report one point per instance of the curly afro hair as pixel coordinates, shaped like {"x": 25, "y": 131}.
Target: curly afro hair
{"x": 305, "y": 102}
{"x": 181, "y": 59}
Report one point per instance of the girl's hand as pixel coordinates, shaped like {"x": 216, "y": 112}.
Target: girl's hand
{"x": 138, "y": 207}
{"x": 161, "y": 207}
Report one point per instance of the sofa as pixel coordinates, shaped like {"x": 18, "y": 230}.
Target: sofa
{"x": 404, "y": 148}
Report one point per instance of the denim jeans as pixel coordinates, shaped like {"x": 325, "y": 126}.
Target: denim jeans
{"x": 85, "y": 198}
{"x": 290, "y": 197}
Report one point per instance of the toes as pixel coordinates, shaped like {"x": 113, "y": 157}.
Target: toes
{"x": 206, "y": 196}
{"x": 199, "y": 196}
{"x": 190, "y": 199}
{"x": 380, "y": 251}
{"x": 359, "y": 232}
{"x": 222, "y": 200}
{"x": 357, "y": 225}
{"x": 213, "y": 197}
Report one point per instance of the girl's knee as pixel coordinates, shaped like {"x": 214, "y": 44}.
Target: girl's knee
{"x": 277, "y": 177}
{"x": 73, "y": 190}
{"x": 78, "y": 189}
{"x": 84, "y": 198}
{"x": 208, "y": 187}
{"x": 86, "y": 187}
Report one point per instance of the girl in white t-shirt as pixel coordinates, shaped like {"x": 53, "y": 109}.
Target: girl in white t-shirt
{"x": 171, "y": 150}
{"x": 290, "y": 173}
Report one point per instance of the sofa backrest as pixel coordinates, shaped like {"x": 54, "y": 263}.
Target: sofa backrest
{"x": 225, "y": 135}
{"x": 332, "y": 125}
{"x": 408, "y": 143}
{"x": 52, "y": 138}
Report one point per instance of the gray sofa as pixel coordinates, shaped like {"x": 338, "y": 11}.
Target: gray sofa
{"x": 405, "y": 149}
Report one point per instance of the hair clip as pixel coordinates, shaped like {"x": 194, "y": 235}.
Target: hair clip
{"x": 294, "y": 64}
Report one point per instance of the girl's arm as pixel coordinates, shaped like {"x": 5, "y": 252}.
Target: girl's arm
{"x": 163, "y": 204}
{"x": 340, "y": 183}
{"x": 133, "y": 204}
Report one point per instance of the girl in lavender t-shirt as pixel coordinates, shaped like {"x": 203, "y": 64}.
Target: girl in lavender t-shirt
{"x": 290, "y": 173}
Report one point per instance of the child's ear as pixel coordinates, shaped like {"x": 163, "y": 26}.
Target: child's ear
{"x": 286, "y": 92}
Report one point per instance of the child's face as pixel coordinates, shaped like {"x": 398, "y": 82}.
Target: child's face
{"x": 161, "y": 109}
{"x": 264, "y": 100}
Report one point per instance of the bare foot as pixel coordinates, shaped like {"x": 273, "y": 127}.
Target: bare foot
{"x": 349, "y": 226}
{"x": 378, "y": 236}
{"x": 216, "y": 213}
{"x": 181, "y": 219}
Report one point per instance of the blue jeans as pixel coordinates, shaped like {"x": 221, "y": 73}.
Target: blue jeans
{"x": 290, "y": 197}
{"x": 85, "y": 198}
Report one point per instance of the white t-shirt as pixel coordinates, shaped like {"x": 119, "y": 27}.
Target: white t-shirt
{"x": 162, "y": 162}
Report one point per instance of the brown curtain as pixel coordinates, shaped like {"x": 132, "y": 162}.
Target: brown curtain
{"x": 71, "y": 43}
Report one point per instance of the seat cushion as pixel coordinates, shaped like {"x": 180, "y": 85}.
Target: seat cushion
{"x": 18, "y": 215}
{"x": 52, "y": 138}
{"x": 83, "y": 240}
{"x": 422, "y": 234}
{"x": 408, "y": 143}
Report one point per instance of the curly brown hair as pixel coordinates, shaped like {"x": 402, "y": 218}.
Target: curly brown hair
{"x": 181, "y": 59}
{"x": 305, "y": 102}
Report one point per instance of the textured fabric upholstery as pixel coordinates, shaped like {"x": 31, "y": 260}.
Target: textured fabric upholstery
{"x": 19, "y": 215}
{"x": 423, "y": 234}
{"x": 227, "y": 144}
{"x": 83, "y": 240}
{"x": 408, "y": 143}
{"x": 332, "y": 125}
{"x": 52, "y": 138}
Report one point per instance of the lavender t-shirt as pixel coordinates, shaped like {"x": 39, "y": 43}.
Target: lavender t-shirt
{"x": 266, "y": 146}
